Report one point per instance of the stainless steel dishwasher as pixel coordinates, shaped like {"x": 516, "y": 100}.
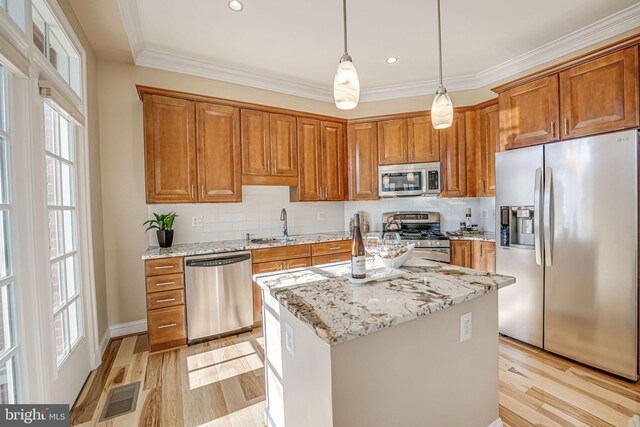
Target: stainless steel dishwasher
{"x": 219, "y": 294}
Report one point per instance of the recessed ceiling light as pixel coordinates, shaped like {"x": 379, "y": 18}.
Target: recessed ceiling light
{"x": 235, "y": 5}
{"x": 392, "y": 60}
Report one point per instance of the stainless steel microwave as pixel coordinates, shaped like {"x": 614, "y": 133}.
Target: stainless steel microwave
{"x": 418, "y": 179}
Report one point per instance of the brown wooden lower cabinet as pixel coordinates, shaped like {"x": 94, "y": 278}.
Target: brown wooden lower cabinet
{"x": 461, "y": 253}
{"x": 476, "y": 254}
{"x": 484, "y": 256}
{"x": 328, "y": 259}
{"x": 166, "y": 316}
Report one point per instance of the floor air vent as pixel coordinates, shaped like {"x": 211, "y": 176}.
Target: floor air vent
{"x": 121, "y": 400}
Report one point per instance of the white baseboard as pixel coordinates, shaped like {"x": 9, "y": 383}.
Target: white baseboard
{"x": 496, "y": 423}
{"x": 120, "y": 329}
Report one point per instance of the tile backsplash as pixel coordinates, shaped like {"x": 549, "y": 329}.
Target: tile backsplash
{"x": 259, "y": 214}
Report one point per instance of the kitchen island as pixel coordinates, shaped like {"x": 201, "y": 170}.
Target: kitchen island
{"x": 384, "y": 353}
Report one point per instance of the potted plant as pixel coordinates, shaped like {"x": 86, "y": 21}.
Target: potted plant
{"x": 163, "y": 223}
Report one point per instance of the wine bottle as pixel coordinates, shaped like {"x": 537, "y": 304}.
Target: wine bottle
{"x": 358, "y": 263}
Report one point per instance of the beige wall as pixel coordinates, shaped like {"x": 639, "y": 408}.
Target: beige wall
{"x": 122, "y": 162}
{"x": 93, "y": 127}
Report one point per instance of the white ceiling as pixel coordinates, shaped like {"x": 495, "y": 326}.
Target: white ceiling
{"x": 294, "y": 45}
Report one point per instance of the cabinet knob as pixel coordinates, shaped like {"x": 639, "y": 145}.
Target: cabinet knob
{"x": 170, "y": 325}
{"x": 553, "y": 129}
{"x": 566, "y": 126}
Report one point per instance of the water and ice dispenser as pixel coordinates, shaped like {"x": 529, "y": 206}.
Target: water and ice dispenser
{"x": 516, "y": 226}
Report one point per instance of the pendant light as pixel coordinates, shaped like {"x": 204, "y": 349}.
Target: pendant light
{"x": 346, "y": 85}
{"x": 442, "y": 107}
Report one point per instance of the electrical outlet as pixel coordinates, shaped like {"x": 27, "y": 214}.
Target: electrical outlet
{"x": 321, "y": 216}
{"x": 465, "y": 327}
{"x": 484, "y": 214}
{"x": 197, "y": 221}
{"x": 288, "y": 338}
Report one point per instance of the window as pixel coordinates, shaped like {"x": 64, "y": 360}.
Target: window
{"x": 8, "y": 347}
{"x": 50, "y": 39}
{"x": 15, "y": 10}
{"x": 62, "y": 212}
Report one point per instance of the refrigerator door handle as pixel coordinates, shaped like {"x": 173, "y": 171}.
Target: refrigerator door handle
{"x": 546, "y": 220}
{"x": 537, "y": 217}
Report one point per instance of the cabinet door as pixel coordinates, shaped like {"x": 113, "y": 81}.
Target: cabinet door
{"x": 461, "y": 253}
{"x": 169, "y": 149}
{"x": 601, "y": 95}
{"x": 392, "y": 142}
{"x": 529, "y": 113}
{"x": 334, "y": 166}
{"x": 453, "y": 158}
{"x": 309, "y": 160}
{"x": 219, "y": 177}
{"x": 284, "y": 145}
{"x": 488, "y": 257}
{"x": 422, "y": 140}
{"x": 363, "y": 161}
{"x": 489, "y": 144}
{"x": 256, "y": 149}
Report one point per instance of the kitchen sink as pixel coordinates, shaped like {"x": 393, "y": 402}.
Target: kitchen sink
{"x": 274, "y": 240}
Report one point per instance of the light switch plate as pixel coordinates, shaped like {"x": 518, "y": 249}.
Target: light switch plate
{"x": 288, "y": 339}
{"x": 321, "y": 216}
{"x": 465, "y": 327}
{"x": 197, "y": 221}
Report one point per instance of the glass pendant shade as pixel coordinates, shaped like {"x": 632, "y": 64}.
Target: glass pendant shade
{"x": 346, "y": 85}
{"x": 442, "y": 110}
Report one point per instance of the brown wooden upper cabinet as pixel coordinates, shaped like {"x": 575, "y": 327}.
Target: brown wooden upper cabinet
{"x": 582, "y": 98}
{"x": 489, "y": 145}
{"x": 453, "y": 161}
{"x": 269, "y": 148}
{"x": 412, "y": 140}
{"x": 322, "y": 161}
{"x": 218, "y": 159}
{"x": 422, "y": 140}
{"x": 184, "y": 165}
{"x": 363, "y": 161}
{"x": 601, "y": 95}
{"x": 529, "y": 113}
{"x": 169, "y": 149}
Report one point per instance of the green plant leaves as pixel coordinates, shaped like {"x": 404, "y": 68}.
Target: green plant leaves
{"x": 161, "y": 221}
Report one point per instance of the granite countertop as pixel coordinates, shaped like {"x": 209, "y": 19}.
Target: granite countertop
{"x": 205, "y": 248}
{"x": 338, "y": 311}
{"x": 484, "y": 236}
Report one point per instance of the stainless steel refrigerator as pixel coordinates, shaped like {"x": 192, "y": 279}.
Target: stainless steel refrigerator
{"x": 567, "y": 229}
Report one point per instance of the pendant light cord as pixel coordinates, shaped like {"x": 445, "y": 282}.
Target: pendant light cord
{"x": 439, "y": 41}
{"x": 344, "y": 18}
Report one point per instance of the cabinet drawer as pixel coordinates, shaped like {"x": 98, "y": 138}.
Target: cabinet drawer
{"x": 331, "y": 247}
{"x": 157, "y": 267}
{"x": 167, "y": 327}
{"x": 281, "y": 253}
{"x": 166, "y": 282}
{"x": 327, "y": 259}
{"x": 165, "y": 299}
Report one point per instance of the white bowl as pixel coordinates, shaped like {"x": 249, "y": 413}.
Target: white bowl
{"x": 397, "y": 261}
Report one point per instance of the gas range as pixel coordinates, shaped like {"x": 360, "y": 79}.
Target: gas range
{"x": 422, "y": 229}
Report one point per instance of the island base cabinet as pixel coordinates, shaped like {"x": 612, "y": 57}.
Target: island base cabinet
{"x": 361, "y": 382}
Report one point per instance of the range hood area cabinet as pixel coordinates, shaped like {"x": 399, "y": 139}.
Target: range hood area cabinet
{"x": 192, "y": 151}
{"x": 269, "y": 148}
{"x": 410, "y": 140}
{"x": 595, "y": 93}
{"x": 322, "y": 161}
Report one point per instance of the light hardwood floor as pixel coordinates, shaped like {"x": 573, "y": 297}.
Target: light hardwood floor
{"x": 221, "y": 383}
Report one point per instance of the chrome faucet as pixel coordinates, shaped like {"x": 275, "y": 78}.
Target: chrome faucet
{"x": 283, "y": 217}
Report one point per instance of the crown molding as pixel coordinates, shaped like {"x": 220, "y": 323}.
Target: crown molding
{"x": 132, "y": 26}
{"x": 611, "y": 26}
{"x": 167, "y": 61}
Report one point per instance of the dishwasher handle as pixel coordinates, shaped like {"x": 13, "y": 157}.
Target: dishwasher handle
{"x": 218, "y": 261}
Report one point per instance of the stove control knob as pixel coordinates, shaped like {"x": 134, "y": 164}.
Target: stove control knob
{"x": 437, "y": 243}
